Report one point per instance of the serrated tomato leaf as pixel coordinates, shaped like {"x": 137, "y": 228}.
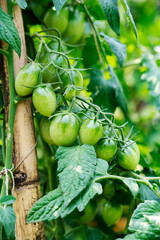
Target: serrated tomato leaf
{"x": 76, "y": 166}
{"x": 145, "y": 222}
{"x": 132, "y": 185}
{"x": 130, "y": 17}
{"x": 101, "y": 167}
{"x": 9, "y": 32}
{"x": 47, "y": 208}
{"x": 59, "y": 4}
{"x": 95, "y": 9}
{"x": 22, "y": 3}
{"x": 110, "y": 7}
{"x": 8, "y": 218}
{"x": 118, "y": 48}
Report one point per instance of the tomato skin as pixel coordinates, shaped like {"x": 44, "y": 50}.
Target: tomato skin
{"x": 106, "y": 149}
{"x": 29, "y": 75}
{"x": 111, "y": 212}
{"x": 90, "y": 212}
{"x": 135, "y": 147}
{"x": 90, "y": 132}
{"x": 54, "y": 20}
{"x": 128, "y": 159}
{"x": 109, "y": 189}
{"x": 44, "y": 100}
{"x": 76, "y": 26}
{"x": 44, "y": 130}
{"x": 78, "y": 81}
{"x": 64, "y": 129}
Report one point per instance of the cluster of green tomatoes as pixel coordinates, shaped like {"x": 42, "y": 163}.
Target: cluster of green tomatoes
{"x": 54, "y": 92}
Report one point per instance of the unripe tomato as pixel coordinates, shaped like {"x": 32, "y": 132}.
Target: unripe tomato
{"x": 75, "y": 27}
{"x": 109, "y": 189}
{"x": 111, "y": 212}
{"x": 52, "y": 19}
{"x": 44, "y": 100}
{"x": 106, "y": 149}
{"x": 44, "y": 130}
{"x": 64, "y": 129}
{"x": 78, "y": 81}
{"x": 90, "y": 132}
{"x": 128, "y": 159}
{"x": 28, "y": 76}
{"x": 90, "y": 212}
{"x": 135, "y": 147}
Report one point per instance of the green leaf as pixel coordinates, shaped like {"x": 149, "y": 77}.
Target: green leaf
{"x": 59, "y": 4}
{"x": 129, "y": 17}
{"x": 76, "y": 166}
{"x": 147, "y": 194}
{"x": 90, "y": 54}
{"x": 22, "y": 3}
{"x": 132, "y": 185}
{"x": 8, "y": 218}
{"x": 47, "y": 208}
{"x": 101, "y": 167}
{"x": 120, "y": 97}
{"x": 110, "y": 7}
{"x": 145, "y": 222}
{"x": 152, "y": 77}
{"x": 8, "y": 199}
{"x": 118, "y": 48}
{"x": 93, "y": 233}
{"x": 8, "y": 32}
{"x": 95, "y": 9}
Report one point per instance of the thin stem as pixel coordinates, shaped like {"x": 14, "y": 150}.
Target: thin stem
{"x": 4, "y": 52}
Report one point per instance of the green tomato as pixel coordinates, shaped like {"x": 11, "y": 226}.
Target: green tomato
{"x": 28, "y": 76}
{"x": 78, "y": 81}
{"x": 135, "y": 147}
{"x": 90, "y": 212}
{"x": 44, "y": 100}
{"x": 64, "y": 129}
{"x": 90, "y": 132}
{"x": 52, "y": 19}
{"x": 106, "y": 149}
{"x": 128, "y": 159}
{"x": 76, "y": 26}
{"x": 111, "y": 212}
{"x": 109, "y": 189}
{"x": 44, "y": 130}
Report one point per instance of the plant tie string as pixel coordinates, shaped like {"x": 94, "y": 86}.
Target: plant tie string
{"x": 25, "y": 156}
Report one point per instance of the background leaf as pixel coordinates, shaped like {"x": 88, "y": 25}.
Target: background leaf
{"x": 8, "y": 32}
{"x": 8, "y": 199}
{"x": 118, "y": 48}
{"x": 8, "y": 218}
{"x": 132, "y": 185}
{"x": 59, "y": 4}
{"x": 129, "y": 17}
{"x": 152, "y": 77}
{"x": 110, "y": 7}
{"x": 22, "y": 3}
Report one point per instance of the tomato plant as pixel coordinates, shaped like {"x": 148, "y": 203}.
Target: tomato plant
{"x": 83, "y": 73}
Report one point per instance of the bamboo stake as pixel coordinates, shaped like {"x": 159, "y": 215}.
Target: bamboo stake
{"x": 27, "y": 189}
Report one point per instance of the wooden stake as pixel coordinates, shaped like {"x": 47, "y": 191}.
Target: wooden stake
{"x": 27, "y": 189}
